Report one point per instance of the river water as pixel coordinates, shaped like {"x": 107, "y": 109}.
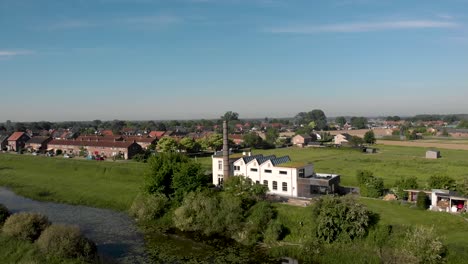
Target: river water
{"x": 114, "y": 233}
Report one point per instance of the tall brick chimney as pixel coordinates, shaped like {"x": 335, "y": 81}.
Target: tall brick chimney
{"x": 226, "y": 169}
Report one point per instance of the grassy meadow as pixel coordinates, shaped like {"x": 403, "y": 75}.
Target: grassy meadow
{"x": 115, "y": 184}
{"x": 390, "y": 163}
{"x": 94, "y": 183}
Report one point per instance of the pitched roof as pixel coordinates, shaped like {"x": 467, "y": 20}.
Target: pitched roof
{"x": 157, "y": 134}
{"x": 109, "y": 144}
{"x": 37, "y": 140}
{"x": 248, "y": 159}
{"x": 15, "y": 136}
{"x": 262, "y": 160}
{"x": 140, "y": 139}
{"x": 280, "y": 160}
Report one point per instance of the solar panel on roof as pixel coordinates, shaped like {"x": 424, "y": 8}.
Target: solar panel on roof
{"x": 280, "y": 160}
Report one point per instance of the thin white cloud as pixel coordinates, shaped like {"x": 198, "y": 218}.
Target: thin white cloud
{"x": 152, "y": 21}
{"x": 71, "y": 24}
{"x": 159, "y": 20}
{"x": 364, "y": 27}
{"x": 445, "y": 16}
{"x": 11, "y": 53}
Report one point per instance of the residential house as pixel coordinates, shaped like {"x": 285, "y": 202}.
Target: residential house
{"x": 17, "y": 141}
{"x": 37, "y": 144}
{"x": 126, "y": 149}
{"x": 301, "y": 140}
{"x": 4, "y": 140}
{"x": 144, "y": 142}
{"x": 157, "y": 134}
{"x": 342, "y": 138}
{"x": 237, "y": 138}
{"x": 442, "y": 200}
{"x": 281, "y": 175}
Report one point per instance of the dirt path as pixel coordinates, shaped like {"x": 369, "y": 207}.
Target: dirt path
{"x": 423, "y": 144}
{"x": 114, "y": 233}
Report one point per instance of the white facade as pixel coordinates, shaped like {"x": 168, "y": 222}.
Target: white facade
{"x": 268, "y": 170}
{"x": 340, "y": 139}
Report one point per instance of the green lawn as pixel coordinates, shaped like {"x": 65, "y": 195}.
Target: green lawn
{"x": 94, "y": 183}
{"x": 453, "y": 229}
{"x": 390, "y": 163}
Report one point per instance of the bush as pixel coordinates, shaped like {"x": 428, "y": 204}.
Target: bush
{"x": 405, "y": 184}
{"x": 369, "y": 185}
{"x": 25, "y": 226}
{"x": 423, "y": 201}
{"x": 274, "y": 232}
{"x": 341, "y": 217}
{"x": 148, "y": 207}
{"x": 67, "y": 242}
{"x": 423, "y": 246}
{"x": 256, "y": 222}
{"x": 4, "y": 213}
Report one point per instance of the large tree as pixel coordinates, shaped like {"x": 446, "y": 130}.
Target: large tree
{"x": 340, "y": 120}
{"x": 230, "y": 116}
{"x": 359, "y": 122}
{"x": 369, "y": 137}
{"x": 168, "y": 144}
{"x": 317, "y": 116}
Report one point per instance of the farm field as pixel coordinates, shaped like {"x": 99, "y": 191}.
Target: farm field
{"x": 99, "y": 184}
{"x": 390, "y": 163}
{"x": 456, "y": 144}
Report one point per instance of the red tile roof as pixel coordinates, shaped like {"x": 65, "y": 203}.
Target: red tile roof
{"x": 15, "y": 136}
{"x": 157, "y": 134}
{"x": 109, "y": 144}
{"x": 140, "y": 139}
{"x": 107, "y": 132}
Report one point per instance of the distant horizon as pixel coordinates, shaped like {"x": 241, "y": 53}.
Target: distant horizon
{"x": 212, "y": 119}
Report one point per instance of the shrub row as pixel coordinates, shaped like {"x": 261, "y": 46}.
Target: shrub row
{"x": 52, "y": 239}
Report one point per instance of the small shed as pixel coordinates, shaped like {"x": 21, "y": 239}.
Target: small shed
{"x": 433, "y": 154}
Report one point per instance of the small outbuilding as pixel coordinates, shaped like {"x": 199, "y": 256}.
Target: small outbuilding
{"x": 433, "y": 154}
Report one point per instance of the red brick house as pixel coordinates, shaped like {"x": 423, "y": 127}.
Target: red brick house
{"x": 144, "y": 142}
{"x": 157, "y": 134}
{"x": 37, "y": 144}
{"x": 17, "y": 141}
{"x": 103, "y": 148}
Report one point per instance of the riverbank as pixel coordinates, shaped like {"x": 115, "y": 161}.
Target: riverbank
{"x": 114, "y": 233}
{"x": 111, "y": 185}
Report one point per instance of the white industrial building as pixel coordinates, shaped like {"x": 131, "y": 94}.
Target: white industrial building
{"x": 282, "y": 176}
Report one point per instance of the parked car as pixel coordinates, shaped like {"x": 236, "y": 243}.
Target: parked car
{"x": 68, "y": 156}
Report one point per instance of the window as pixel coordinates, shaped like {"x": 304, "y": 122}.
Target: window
{"x": 257, "y": 182}
{"x": 284, "y": 172}
{"x": 265, "y": 182}
{"x": 253, "y": 169}
{"x": 275, "y": 185}
{"x": 285, "y": 186}
{"x": 267, "y": 171}
{"x": 220, "y": 165}
{"x": 237, "y": 168}
{"x": 301, "y": 173}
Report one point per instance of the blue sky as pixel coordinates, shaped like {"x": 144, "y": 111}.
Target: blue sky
{"x": 182, "y": 59}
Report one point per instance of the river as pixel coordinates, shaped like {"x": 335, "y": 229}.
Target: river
{"x": 115, "y": 234}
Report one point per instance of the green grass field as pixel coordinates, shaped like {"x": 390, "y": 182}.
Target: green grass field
{"x": 453, "y": 229}
{"x": 115, "y": 184}
{"x": 94, "y": 183}
{"x": 390, "y": 163}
